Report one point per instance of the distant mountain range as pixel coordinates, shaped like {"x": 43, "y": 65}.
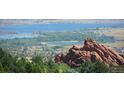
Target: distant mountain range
{"x": 47, "y": 21}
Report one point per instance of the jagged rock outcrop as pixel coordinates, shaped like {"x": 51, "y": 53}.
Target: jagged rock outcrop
{"x": 91, "y": 51}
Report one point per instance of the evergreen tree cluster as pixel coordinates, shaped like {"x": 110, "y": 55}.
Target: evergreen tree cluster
{"x": 12, "y": 64}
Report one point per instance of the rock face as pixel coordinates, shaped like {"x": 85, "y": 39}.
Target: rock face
{"x": 91, "y": 51}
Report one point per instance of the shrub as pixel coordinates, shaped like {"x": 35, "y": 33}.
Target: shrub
{"x": 61, "y": 68}
{"x": 97, "y": 67}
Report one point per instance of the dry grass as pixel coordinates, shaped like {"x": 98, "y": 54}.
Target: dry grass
{"x": 115, "y": 44}
{"x": 117, "y": 33}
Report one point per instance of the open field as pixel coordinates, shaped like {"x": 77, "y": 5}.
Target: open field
{"x": 117, "y": 33}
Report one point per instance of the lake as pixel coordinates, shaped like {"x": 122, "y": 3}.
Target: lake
{"x": 26, "y": 30}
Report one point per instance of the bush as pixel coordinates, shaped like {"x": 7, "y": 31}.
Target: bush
{"x": 97, "y": 67}
{"x": 61, "y": 68}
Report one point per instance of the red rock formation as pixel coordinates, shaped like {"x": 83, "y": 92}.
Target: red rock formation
{"x": 91, "y": 51}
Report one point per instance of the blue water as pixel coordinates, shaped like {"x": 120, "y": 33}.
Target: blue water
{"x": 57, "y": 26}
{"x": 28, "y": 29}
{"x": 64, "y": 43}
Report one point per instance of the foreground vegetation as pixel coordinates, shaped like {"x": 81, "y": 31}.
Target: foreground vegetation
{"x": 13, "y": 64}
